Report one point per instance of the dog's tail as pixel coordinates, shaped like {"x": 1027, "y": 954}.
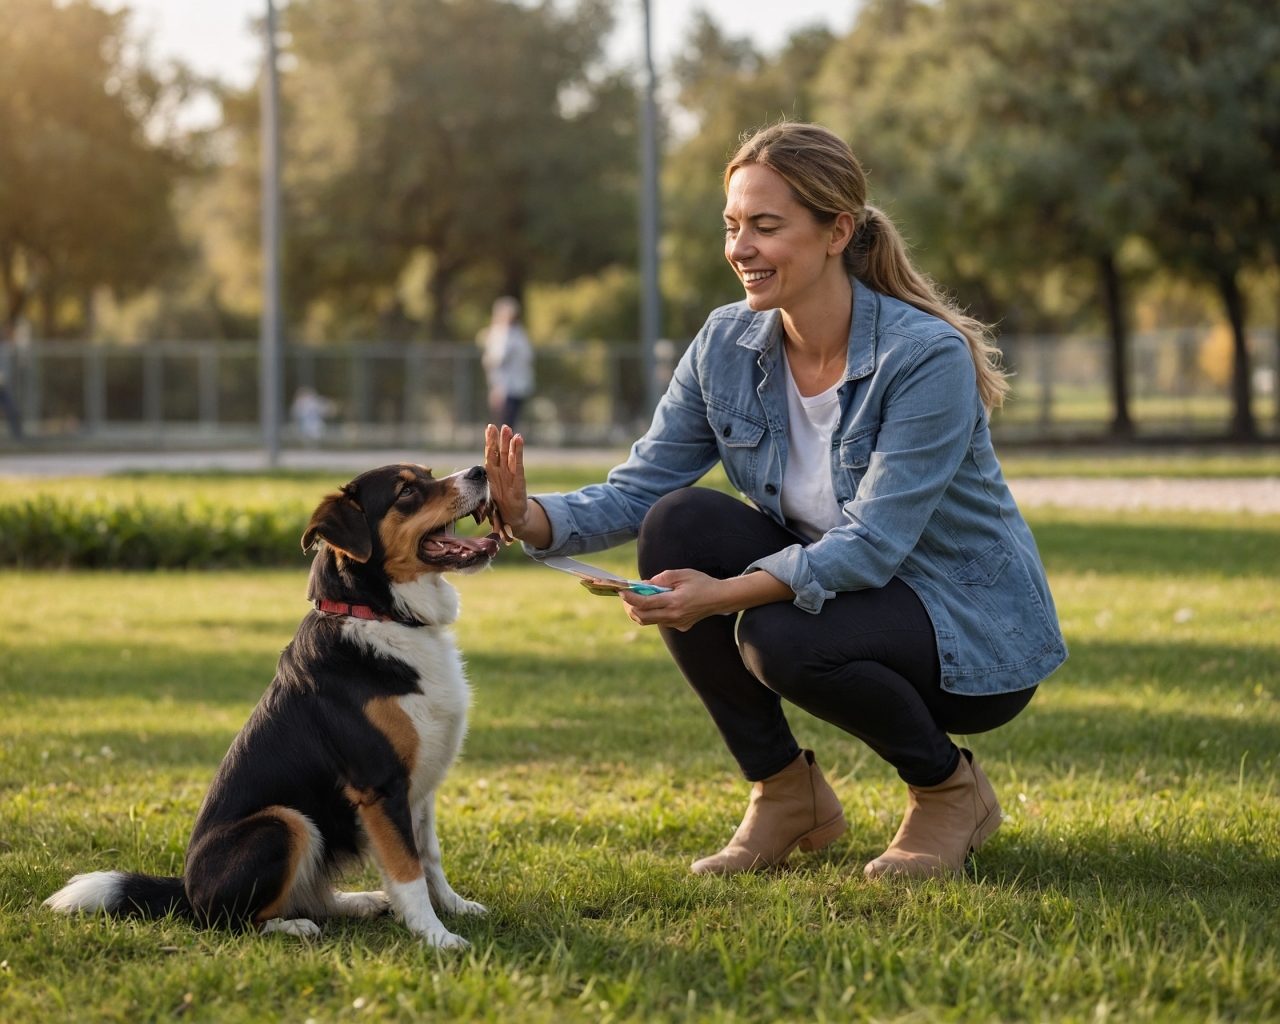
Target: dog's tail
{"x": 122, "y": 893}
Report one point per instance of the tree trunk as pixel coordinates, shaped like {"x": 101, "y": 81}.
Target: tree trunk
{"x": 1275, "y": 375}
{"x": 1121, "y": 424}
{"x": 48, "y": 312}
{"x": 441, "y": 289}
{"x": 1243, "y": 427}
{"x": 88, "y": 325}
{"x": 15, "y": 299}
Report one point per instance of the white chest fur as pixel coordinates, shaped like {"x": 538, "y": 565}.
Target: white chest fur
{"x": 438, "y": 711}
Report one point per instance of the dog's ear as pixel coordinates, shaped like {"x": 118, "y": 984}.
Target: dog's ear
{"x": 340, "y": 523}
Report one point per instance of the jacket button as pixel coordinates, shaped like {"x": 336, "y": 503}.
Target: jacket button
{"x": 770, "y": 489}
{"x": 728, "y": 430}
{"x": 948, "y": 656}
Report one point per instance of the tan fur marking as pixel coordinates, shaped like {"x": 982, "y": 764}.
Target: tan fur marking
{"x": 400, "y": 535}
{"x": 396, "y": 858}
{"x": 387, "y": 716}
{"x": 299, "y": 839}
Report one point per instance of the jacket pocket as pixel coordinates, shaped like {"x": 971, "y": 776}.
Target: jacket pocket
{"x": 984, "y": 570}
{"x": 1000, "y": 606}
{"x": 855, "y": 452}
{"x": 734, "y": 430}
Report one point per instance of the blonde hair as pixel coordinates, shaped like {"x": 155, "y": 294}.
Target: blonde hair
{"x": 826, "y": 178}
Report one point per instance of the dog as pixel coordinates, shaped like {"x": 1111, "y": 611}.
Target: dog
{"x": 343, "y": 755}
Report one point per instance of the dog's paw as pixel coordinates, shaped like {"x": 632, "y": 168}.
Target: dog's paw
{"x": 442, "y": 938}
{"x": 446, "y": 901}
{"x": 361, "y": 904}
{"x": 462, "y": 906}
{"x": 298, "y": 927}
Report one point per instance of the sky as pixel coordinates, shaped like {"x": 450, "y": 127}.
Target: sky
{"x": 214, "y": 36}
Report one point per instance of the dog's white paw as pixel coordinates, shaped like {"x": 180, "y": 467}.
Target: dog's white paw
{"x": 461, "y": 906}
{"x": 298, "y": 927}
{"x": 442, "y": 938}
{"x": 361, "y": 904}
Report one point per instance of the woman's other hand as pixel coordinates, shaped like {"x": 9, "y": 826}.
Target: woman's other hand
{"x": 504, "y": 465}
{"x": 694, "y": 596}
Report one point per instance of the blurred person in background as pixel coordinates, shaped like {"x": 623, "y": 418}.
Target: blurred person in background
{"x": 309, "y": 411}
{"x": 886, "y": 581}
{"x": 507, "y": 361}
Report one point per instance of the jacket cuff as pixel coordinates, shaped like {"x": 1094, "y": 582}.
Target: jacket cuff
{"x": 558, "y": 515}
{"x": 791, "y": 566}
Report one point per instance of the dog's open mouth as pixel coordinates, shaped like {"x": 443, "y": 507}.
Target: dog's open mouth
{"x": 446, "y": 547}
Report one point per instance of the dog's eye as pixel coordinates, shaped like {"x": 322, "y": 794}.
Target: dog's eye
{"x": 405, "y": 491}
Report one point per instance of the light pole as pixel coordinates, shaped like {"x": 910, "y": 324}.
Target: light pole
{"x": 650, "y": 297}
{"x": 269, "y": 330}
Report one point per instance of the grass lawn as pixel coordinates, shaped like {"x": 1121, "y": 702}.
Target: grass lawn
{"x": 1137, "y": 876}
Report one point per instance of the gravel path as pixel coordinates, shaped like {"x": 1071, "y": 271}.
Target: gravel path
{"x": 1195, "y": 494}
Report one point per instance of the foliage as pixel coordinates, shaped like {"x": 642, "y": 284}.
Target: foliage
{"x": 84, "y": 189}
{"x": 1134, "y": 878}
{"x": 1217, "y": 135}
{"x": 599, "y": 307}
{"x": 482, "y": 132}
{"x": 1022, "y": 139}
{"x": 175, "y": 522}
{"x": 726, "y": 88}
{"x": 46, "y": 532}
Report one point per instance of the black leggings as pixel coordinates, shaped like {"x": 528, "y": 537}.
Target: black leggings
{"x": 868, "y": 662}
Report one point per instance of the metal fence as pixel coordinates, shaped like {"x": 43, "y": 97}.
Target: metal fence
{"x": 1179, "y": 385}
{"x": 196, "y": 394}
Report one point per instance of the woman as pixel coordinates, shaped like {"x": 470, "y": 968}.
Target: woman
{"x": 887, "y": 582}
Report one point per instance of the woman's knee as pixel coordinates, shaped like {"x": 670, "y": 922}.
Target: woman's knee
{"x": 676, "y": 529}
{"x": 769, "y": 649}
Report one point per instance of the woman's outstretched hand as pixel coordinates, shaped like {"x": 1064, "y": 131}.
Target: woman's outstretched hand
{"x": 504, "y": 465}
{"x": 694, "y": 596}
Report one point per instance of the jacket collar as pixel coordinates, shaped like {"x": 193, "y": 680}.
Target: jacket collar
{"x": 765, "y": 331}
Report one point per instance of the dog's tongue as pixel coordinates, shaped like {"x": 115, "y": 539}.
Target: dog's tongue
{"x": 447, "y": 543}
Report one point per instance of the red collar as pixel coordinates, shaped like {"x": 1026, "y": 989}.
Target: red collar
{"x": 356, "y": 611}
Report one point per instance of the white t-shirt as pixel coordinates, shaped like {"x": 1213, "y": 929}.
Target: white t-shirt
{"x": 808, "y": 500}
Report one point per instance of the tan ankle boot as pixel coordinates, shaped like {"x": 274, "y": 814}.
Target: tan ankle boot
{"x": 943, "y": 825}
{"x": 794, "y": 808}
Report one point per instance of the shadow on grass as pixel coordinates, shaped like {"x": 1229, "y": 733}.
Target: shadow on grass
{"x": 1152, "y": 549}
{"x": 635, "y": 707}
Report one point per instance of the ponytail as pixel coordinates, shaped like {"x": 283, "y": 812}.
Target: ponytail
{"x": 825, "y": 177}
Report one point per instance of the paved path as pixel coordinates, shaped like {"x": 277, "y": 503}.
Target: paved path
{"x": 1222, "y": 494}
{"x": 1195, "y": 494}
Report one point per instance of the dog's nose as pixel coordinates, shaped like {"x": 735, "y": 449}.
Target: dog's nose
{"x": 476, "y": 473}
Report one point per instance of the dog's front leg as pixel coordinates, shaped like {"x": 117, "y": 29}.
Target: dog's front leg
{"x": 387, "y": 822}
{"x": 442, "y": 895}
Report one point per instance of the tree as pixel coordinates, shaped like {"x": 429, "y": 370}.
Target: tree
{"x": 727, "y": 88}
{"x": 1216, "y": 130}
{"x": 479, "y": 131}
{"x": 84, "y": 192}
{"x": 1023, "y": 137}
{"x": 1016, "y": 124}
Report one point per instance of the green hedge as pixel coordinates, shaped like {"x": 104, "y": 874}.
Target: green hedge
{"x": 47, "y": 532}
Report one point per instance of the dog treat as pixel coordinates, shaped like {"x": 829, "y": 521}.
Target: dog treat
{"x": 601, "y": 582}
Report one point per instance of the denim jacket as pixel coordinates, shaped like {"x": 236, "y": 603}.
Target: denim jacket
{"x": 914, "y": 472}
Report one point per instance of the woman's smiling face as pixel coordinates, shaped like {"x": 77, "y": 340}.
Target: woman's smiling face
{"x": 776, "y": 246}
